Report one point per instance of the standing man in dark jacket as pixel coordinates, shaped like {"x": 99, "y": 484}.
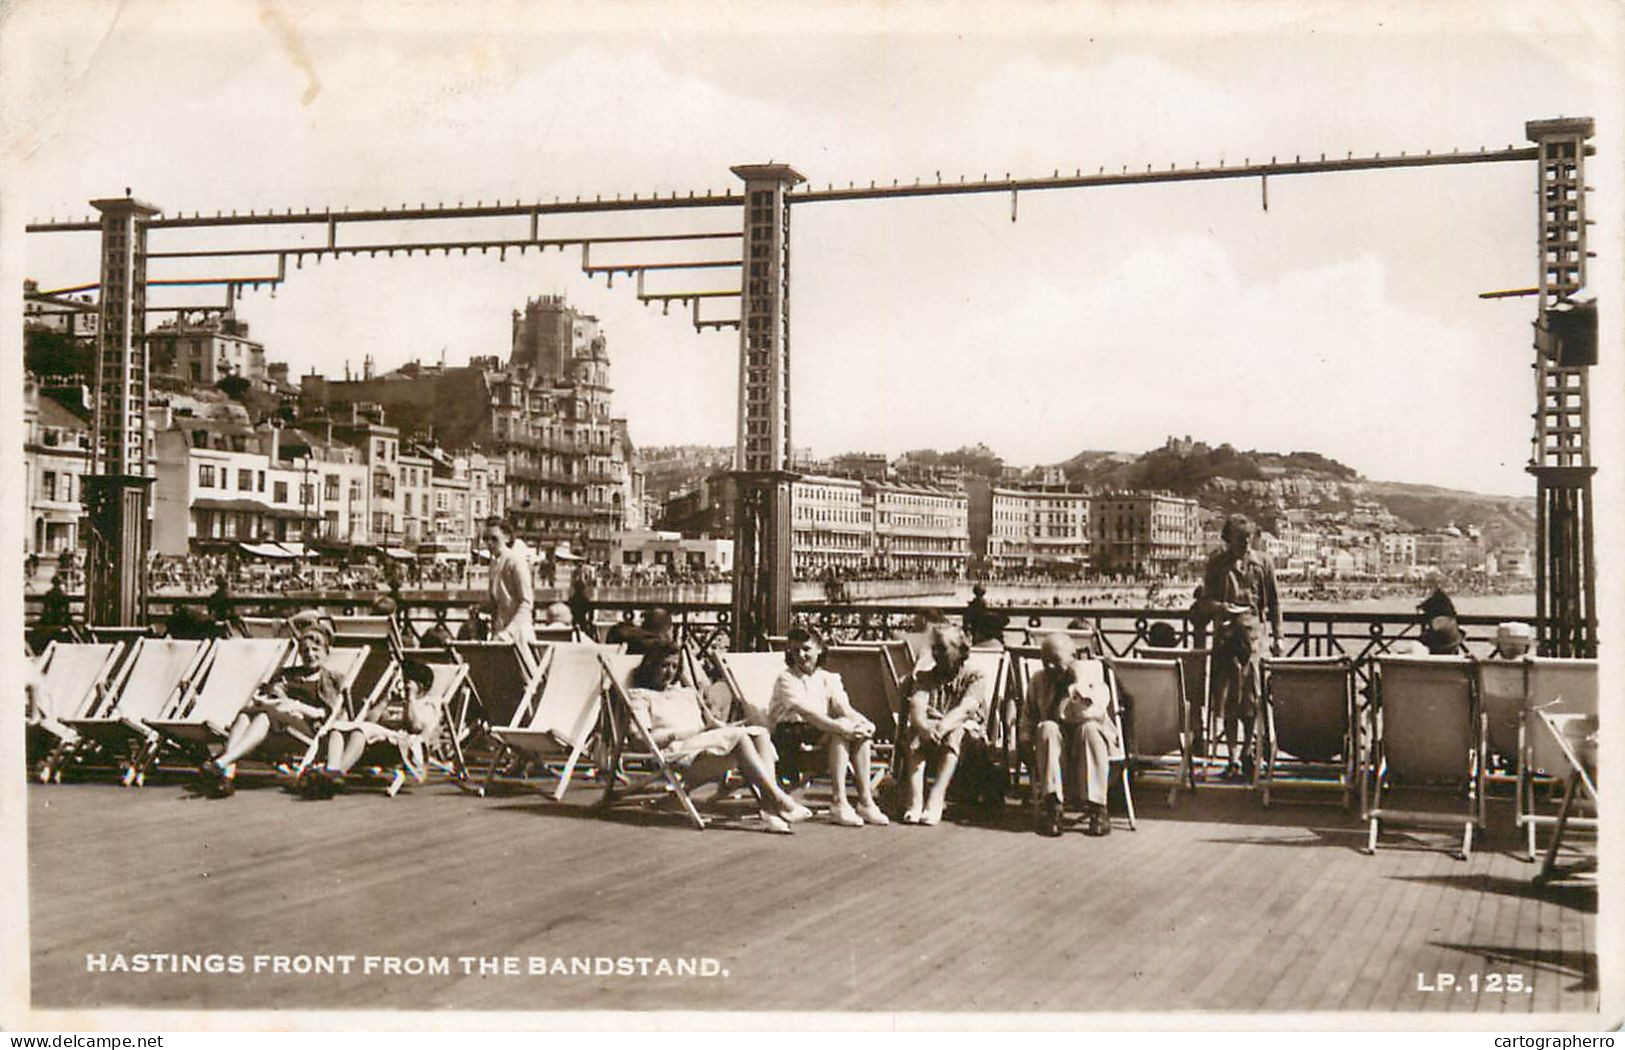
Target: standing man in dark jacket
{"x": 1239, "y": 598}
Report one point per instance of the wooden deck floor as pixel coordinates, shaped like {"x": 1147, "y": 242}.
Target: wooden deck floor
{"x": 1217, "y": 905}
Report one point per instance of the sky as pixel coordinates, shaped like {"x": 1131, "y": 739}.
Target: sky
{"x": 1344, "y": 319}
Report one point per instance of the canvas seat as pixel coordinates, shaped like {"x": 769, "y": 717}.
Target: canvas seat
{"x": 1156, "y": 719}
{"x": 227, "y": 680}
{"x": 1574, "y": 740}
{"x": 1306, "y": 716}
{"x": 70, "y": 682}
{"x": 1554, "y": 686}
{"x": 1427, "y": 743}
{"x": 150, "y": 684}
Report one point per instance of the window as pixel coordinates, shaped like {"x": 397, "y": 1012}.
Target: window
{"x": 262, "y": 481}
{"x": 279, "y": 492}
{"x": 330, "y": 487}
{"x": 355, "y": 491}
{"x": 48, "y": 484}
{"x": 307, "y": 495}
{"x": 631, "y": 557}
{"x": 406, "y": 503}
{"x": 245, "y": 480}
{"x": 205, "y": 476}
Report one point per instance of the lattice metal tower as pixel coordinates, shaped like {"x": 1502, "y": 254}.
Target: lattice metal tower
{"x": 1565, "y": 566}
{"x": 117, "y": 488}
{"x": 762, "y": 579}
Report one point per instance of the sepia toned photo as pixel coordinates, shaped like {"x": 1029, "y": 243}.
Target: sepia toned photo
{"x": 881, "y": 516}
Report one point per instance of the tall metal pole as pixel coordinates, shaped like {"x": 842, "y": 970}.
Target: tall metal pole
{"x": 1565, "y": 567}
{"x": 118, "y": 486}
{"x": 761, "y": 583}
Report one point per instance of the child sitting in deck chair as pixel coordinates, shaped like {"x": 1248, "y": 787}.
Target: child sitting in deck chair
{"x": 300, "y": 698}
{"x": 809, "y": 702}
{"x": 685, "y": 730}
{"x": 403, "y": 716}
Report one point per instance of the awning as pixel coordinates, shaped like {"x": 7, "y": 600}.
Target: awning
{"x": 400, "y": 554}
{"x": 264, "y": 550}
{"x": 295, "y": 548}
{"x": 563, "y": 554}
{"x": 253, "y": 506}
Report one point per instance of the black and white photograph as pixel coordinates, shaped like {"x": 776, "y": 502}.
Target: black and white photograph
{"x": 870, "y": 516}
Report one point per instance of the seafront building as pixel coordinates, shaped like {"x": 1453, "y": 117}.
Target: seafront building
{"x": 1017, "y": 529}
{"x": 1145, "y": 534}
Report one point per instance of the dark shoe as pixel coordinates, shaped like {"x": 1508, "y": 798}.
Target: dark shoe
{"x": 1049, "y": 817}
{"x": 1100, "y": 824}
{"x": 1246, "y": 767}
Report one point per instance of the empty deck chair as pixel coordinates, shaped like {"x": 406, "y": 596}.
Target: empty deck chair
{"x": 150, "y": 683}
{"x": 1429, "y": 733}
{"x": 1204, "y": 721}
{"x": 1152, "y": 695}
{"x": 72, "y": 678}
{"x": 233, "y": 671}
{"x": 751, "y": 677}
{"x": 1502, "y": 696}
{"x": 1307, "y": 714}
{"x": 867, "y": 677}
{"x": 562, "y": 714}
{"x": 504, "y": 679}
{"x": 1555, "y": 686}
{"x": 263, "y": 627}
{"x": 1574, "y": 737}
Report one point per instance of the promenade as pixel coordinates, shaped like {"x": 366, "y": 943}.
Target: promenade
{"x": 1217, "y": 905}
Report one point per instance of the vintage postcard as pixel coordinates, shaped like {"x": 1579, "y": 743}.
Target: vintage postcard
{"x": 868, "y": 516}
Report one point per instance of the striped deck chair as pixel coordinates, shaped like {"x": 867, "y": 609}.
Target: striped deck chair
{"x": 562, "y": 712}
{"x": 150, "y": 683}
{"x": 630, "y": 742}
{"x": 233, "y": 671}
{"x": 71, "y": 680}
{"x": 1429, "y": 734}
{"x": 866, "y": 675}
{"x": 1204, "y": 720}
{"x": 1307, "y": 713}
{"x": 1574, "y": 739}
{"x": 1556, "y": 686}
{"x": 1152, "y": 695}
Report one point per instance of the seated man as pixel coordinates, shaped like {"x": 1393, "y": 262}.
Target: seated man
{"x": 1069, "y": 721}
{"x": 948, "y": 703}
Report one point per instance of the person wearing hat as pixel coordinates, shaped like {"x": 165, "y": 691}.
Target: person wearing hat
{"x": 1513, "y": 640}
{"x": 1443, "y": 637}
{"x": 301, "y": 697}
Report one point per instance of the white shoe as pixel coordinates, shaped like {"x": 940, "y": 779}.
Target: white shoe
{"x": 845, "y": 816}
{"x": 871, "y": 815}
{"x": 798, "y": 814}
{"x": 777, "y": 824}
{"x": 931, "y": 817}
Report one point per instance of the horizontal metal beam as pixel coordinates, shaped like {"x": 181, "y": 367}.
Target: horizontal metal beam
{"x": 432, "y": 246}
{"x": 1126, "y": 177}
{"x": 807, "y": 194}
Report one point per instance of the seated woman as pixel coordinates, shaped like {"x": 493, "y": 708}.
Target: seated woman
{"x": 403, "y": 716}
{"x": 948, "y": 703}
{"x": 814, "y": 700}
{"x": 300, "y": 698}
{"x": 684, "y": 729}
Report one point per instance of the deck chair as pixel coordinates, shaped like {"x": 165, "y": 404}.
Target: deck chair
{"x": 1204, "y": 721}
{"x": 556, "y": 633}
{"x": 263, "y": 627}
{"x": 1307, "y": 714}
{"x": 1555, "y": 686}
{"x": 1152, "y": 695}
{"x": 150, "y": 683}
{"x": 1503, "y": 690}
{"x": 227, "y": 680}
{"x": 118, "y": 634}
{"x": 504, "y": 679}
{"x": 866, "y": 675}
{"x": 918, "y": 644}
{"x": 623, "y": 726}
{"x": 1429, "y": 735}
{"x": 1085, "y": 638}
{"x": 1574, "y": 736}
{"x": 71, "y": 680}
{"x": 561, "y": 714}
{"x": 751, "y": 677}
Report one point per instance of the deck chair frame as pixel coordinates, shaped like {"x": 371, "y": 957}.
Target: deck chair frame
{"x": 1554, "y": 686}
{"x": 1026, "y": 664}
{"x": 199, "y": 720}
{"x": 1338, "y": 673}
{"x": 1138, "y": 759}
{"x": 622, "y": 719}
{"x": 55, "y": 736}
{"x": 118, "y": 729}
{"x": 1466, "y": 727}
{"x": 1581, "y": 786}
{"x": 576, "y": 736}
